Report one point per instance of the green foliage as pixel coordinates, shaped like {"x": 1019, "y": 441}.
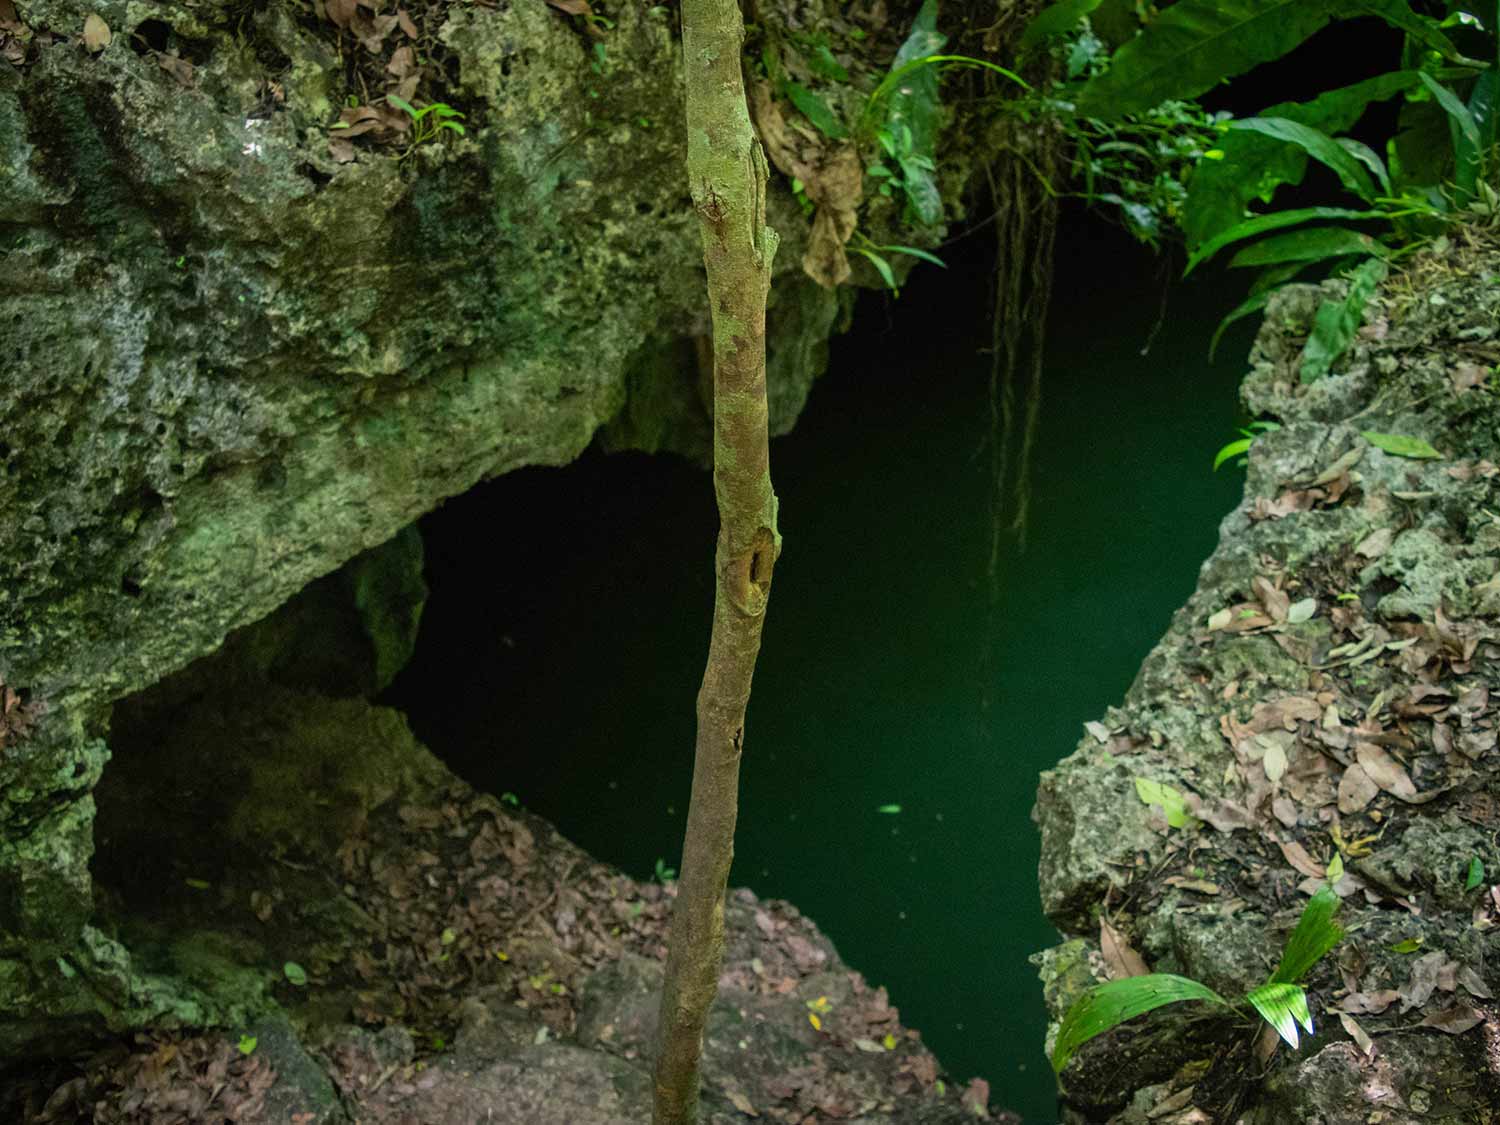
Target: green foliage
{"x": 1337, "y": 322}
{"x": 1164, "y": 162}
{"x": 247, "y": 1044}
{"x": 1281, "y": 1002}
{"x": 427, "y": 123}
{"x": 1242, "y": 444}
{"x": 295, "y": 974}
{"x": 1401, "y": 445}
{"x": 877, "y": 257}
{"x": 1476, "y": 874}
{"x": 1111, "y": 1004}
{"x": 1194, "y": 45}
{"x": 664, "y": 874}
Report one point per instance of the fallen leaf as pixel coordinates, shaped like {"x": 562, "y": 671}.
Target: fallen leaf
{"x": 1384, "y": 770}
{"x": 1098, "y": 730}
{"x": 572, "y": 7}
{"x": 870, "y": 1046}
{"x": 1357, "y": 1033}
{"x": 1274, "y": 761}
{"x": 1356, "y": 790}
{"x": 1369, "y": 1003}
{"x": 1455, "y": 1020}
{"x": 1467, "y": 376}
{"x": 976, "y": 1099}
{"x": 741, "y": 1103}
{"x": 1375, "y": 544}
{"x": 1297, "y": 856}
{"x": 1401, "y": 445}
{"x": 96, "y": 33}
{"x": 1119, "y": 958}
{"x": 404, "y": 21}
{"x": 1304, "y": 610}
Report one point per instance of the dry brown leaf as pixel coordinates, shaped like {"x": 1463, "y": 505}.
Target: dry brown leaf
{"x": 1455, "y": 1020}
{"x": 341, "y": 150}
{"x": 1384, "y": 770}
{"x": 341, "y": 12}
{"x": 1356, "y": 790}
{"x": 1357, "y": 1033}
{"x": 1375, "y": 544}
{"x": 1274, "y": 599}
{"x": 572, "y": 7}
{"x": 96, "y": 33}
{"x": 1119, "y": 958}
{"x": 1298, "y": 857}
{"x": 8, "y": 13}
{"x": 1225, "y": 816}
{"x": 1468, "y": 376}
{"x": 1285, "y": 811}
{"x": 405, "y": 22}
{"x": 741, "y": 1103}
{"x": 1369, "y": 1003}
{"x": 402, "y": 62}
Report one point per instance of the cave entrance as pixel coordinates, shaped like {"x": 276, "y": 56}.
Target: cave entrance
{"x": 564, "y": 638}
{"x": 902, "y": 708}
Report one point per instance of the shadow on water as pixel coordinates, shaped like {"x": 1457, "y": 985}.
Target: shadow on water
{"x": 563, "y": 666}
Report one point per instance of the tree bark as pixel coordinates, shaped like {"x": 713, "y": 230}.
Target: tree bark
{"x": 727, "y": 176}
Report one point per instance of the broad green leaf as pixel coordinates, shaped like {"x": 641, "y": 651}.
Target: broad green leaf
{"x": 1484, "y": 102}
{"x": 1467, "y": 147}
{"x": 820, "y": 61}
{"x": 1283, "y": 1006}
{"x": 1255, "y": 165}
{"x": 1059, "y": 19}
{"x": 816, "y": 110}
{"x": 1171, "y": 800}
{"x": 1424, "y": 29}
{"x": 1476, "y": 874}
{"x": 1370, "y": 159}
{"x": 1231, "y": 451}
{"x": 1317, "y": 144}
{"x": 913, "y": 104}
{"x": 1407, "y": 945}
{"x": 295, "y": 973}
{"x": 1109, "y": 1005}
{"x": 1195, "y": 44}
{"x": 889, "y": 809}
{"x": 248, "y": 1044}
{"x": 882, "y": 267}
{"x": 1421, "y": 152}
{"x": 1402, "y": 445}
{"x": 1337, "y": 322}
{"x": 1251, "y": 304}
{"x": 1276, "y": 220}
{"x": 916, "y": 252}
{"x": 1315, "y": 934}
{"x": 1309, "y": 244}
{"x": 402, "y": 104}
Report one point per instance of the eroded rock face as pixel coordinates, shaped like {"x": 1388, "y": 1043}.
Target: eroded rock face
{"x": 380, "y": 943}
{"x": 232, "y": 362}
{"x": 1328, "y": 691}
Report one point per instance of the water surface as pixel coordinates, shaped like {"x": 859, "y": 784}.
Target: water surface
{"x": 563, "y": 667}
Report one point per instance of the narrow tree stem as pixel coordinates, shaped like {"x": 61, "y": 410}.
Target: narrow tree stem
{"x": 727, "y": 176}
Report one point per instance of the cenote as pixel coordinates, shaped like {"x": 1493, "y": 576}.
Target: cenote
{"x": 562, "y": 667}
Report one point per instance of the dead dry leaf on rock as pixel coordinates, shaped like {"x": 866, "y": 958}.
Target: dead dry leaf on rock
{"x": 1369, "y": 1003}
{"x": 1385, "y": 771}
{"x": 1119, "y": 958}
{"x": 1356, "y": 790}
{"x": 340, "y": 12}
{"x": 1376, "y": 544}
{"x": 96, "y": 33}
{"x": 1298, "y": 857}
{"x": 1468, "y": 376}
{"x": 1454, "y": 1021}
{"x": 1357, "y": 1033}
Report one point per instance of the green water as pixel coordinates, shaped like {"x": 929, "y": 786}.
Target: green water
{"x": 563, "y": 668}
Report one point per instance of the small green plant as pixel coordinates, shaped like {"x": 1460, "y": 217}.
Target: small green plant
{"x": 876, "y": 254}
{"x": 248, "y": 1044}
{"x": 1242, "y": 444}
{"x": 427, "y": 123}
{"x": 664, "y": 874}
{"x": 1281, "y": 1001}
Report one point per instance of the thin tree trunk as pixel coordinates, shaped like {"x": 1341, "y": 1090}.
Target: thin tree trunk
{"x": 727, "y": 175}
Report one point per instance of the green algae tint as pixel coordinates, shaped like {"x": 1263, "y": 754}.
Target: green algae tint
{"x": 564, "y": 668}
